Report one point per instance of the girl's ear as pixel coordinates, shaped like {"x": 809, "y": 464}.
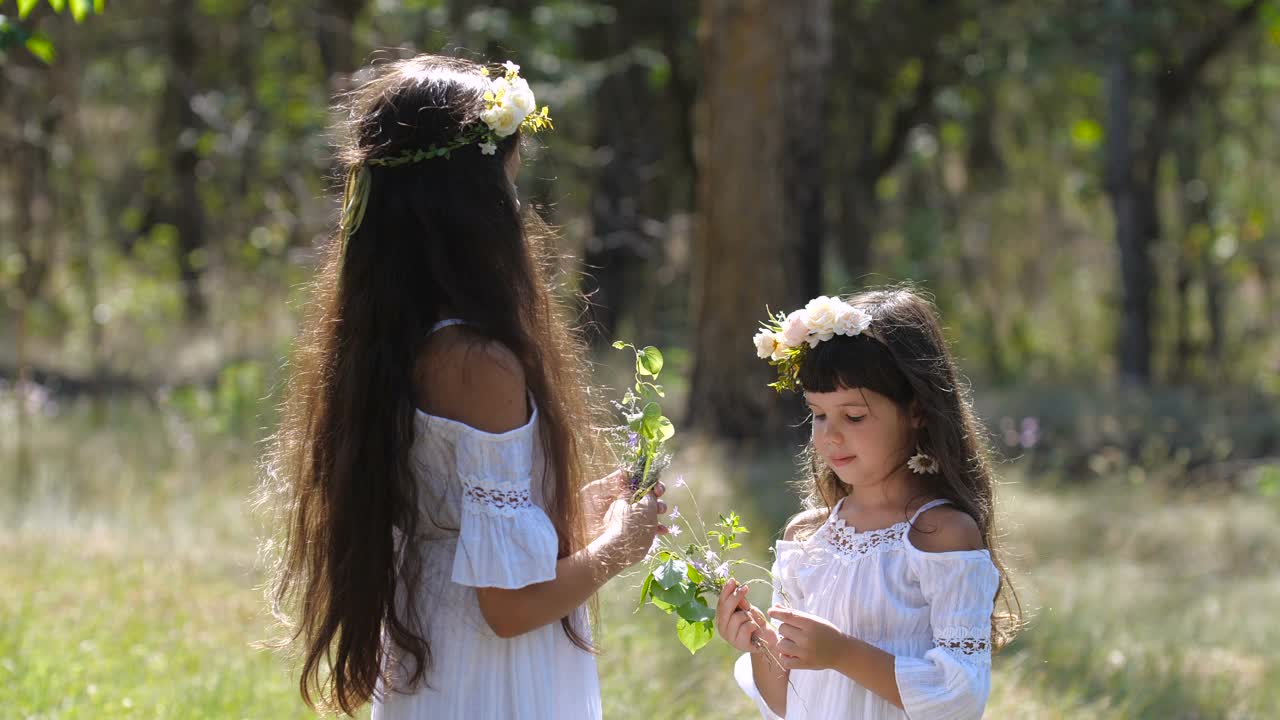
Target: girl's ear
{"x": 917, "y": 418}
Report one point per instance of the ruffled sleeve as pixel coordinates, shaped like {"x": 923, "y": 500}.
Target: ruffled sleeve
{"x": 953, "y": 679}
{"x": 505, "y": 540}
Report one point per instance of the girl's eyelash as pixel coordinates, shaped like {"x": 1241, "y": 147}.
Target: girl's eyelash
{"x": 856, "y": 418}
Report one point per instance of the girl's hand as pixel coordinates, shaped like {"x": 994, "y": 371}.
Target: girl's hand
{"x": 807, "y": 642}
{"x": 738, "y": 621}
{"x": 629, "y": 528}
{"x": 597, "y": 496}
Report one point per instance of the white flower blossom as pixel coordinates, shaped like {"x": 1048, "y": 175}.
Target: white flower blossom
{"x": 488, "y": 148}
{"x": 766, "y": 344}
{"x": 851, "y": 321}
{"x": 820, "y": 318}
{"x": 722, "y": 571}
{"x": 795, "y": 329}
{"x": 521, "y": 97}
{"x": 511, "y": 67}
{"x": 674, "y": 530}
{"x": 506, "y": 120}
{"x": 675, "y": 513}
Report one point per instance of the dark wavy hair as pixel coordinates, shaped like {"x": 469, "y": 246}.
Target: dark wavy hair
{"x": 904, "y": 357}
{"x": 438, "y": 236}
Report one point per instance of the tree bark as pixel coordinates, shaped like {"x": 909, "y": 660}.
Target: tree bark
{"x": 620, "y": 251}
{"x": 807, "y": 100}
{"x": 181, "y": 131}
{"x": 750, "y": 247}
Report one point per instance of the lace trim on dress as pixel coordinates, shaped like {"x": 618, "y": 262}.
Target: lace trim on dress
{"x": 969, "y": 645}
{"x": 849, "y": 543}
{"x": 495, "y": 501}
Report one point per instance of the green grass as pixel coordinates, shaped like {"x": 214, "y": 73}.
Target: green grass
{"x": 128, "y": 587}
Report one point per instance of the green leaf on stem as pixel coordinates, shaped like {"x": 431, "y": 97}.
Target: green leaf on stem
{"x": 649, "y": 361}
{"x": 695, "y": 611}
{"x": 646, "y": 588}
{"x": 664, "y": 430}
{"x": 694, "y": 636}
{"x": 675, "y": 596}
{"x": 671, "y": 573}
{"x": 695, "y": 577}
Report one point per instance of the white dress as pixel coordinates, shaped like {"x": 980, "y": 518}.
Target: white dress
{"x": 932, "y": 611}
{"x": 483, "y": 525}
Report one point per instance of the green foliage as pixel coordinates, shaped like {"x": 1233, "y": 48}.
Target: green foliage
{"x": 686, "y": 579}
{"x": 649, "y": 430}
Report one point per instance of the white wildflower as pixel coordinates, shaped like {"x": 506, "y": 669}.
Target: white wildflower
{"x": 923, "y": 464}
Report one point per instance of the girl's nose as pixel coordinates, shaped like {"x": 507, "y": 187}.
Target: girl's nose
{"x": 830, "y": 437}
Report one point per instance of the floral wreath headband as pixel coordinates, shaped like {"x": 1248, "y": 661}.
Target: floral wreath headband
{"x": 509, "y": 105}
{"x": 785, "y": 340}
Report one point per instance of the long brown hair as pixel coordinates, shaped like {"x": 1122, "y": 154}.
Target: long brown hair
{"x": 440, "y": 234}
{"x": 904, "y": 356}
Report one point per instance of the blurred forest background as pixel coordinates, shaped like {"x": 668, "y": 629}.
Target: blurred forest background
{"x": 1083, "y": 187}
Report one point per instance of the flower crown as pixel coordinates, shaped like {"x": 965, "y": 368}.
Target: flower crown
{"x": 785, "y": 339}
{"x": 509, "y": 105}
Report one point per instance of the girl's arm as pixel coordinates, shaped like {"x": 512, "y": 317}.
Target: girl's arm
{"x": 578, "y": 576}
{"x": 481, "y": 384}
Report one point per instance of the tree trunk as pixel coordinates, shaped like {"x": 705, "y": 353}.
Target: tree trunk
{"x": 1132, "y": 200}
{"x": 181, "y": 130}
{"x": 335, "y": 20}
{"x": 619, "y": 253}
{"x": 1197, "y": 236}
{"x": 1132, "y": 176}
{"x": 807, "y": 88}
{"x": 749, "y": 249}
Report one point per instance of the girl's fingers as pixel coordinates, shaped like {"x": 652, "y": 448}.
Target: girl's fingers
{"x": 659, "y": 489}
{"x": 662, "y": 507}
{"x": 727, "y": 598}
{"x": 736, "y": 623}
{"x": 794, "y": 631}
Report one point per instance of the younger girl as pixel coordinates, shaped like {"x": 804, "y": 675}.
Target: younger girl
{"x": 885, "y": 588}
{"x": 437, "y": 552}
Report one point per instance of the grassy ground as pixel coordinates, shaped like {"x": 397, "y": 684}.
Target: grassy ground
{"x": 128, "y": 574}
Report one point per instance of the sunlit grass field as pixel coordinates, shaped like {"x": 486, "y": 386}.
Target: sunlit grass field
{"x": 129, "y": 586}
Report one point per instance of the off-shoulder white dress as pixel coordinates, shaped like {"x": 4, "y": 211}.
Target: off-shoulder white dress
{"x": 932, "y": 611}
{"x": 484, "y": 525}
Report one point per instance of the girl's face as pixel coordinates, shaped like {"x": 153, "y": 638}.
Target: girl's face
{"x": 862, "y": 435}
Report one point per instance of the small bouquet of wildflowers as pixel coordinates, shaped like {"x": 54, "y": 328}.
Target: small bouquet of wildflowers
{"x": 645, "y": 428}
{"x": 683, "y": 579}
